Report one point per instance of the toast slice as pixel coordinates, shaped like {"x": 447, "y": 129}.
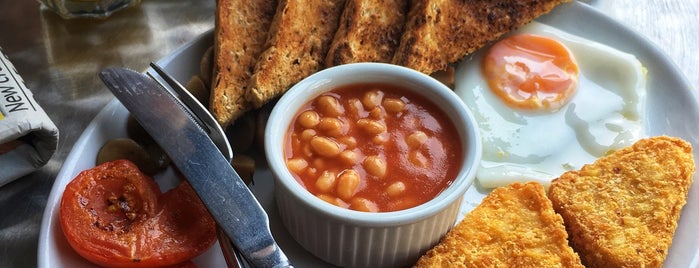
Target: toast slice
{"x": 296, "y": 46}
{"x": 240, "y": 33}
{"x": 369, "y": 31}
{"x": 440, "y": 32}
{"x": 622, "y": 210}
{"x": 514, "y": 226}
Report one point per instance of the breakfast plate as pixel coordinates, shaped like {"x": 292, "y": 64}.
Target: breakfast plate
{"x": 671, "y": 109}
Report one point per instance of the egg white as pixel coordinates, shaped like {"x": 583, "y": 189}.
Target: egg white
{"x": 605, "y": 114}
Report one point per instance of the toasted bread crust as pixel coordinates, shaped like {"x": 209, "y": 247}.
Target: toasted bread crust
{"x": 622, "y": 210}
{"x": 440, "y": 32}
{"x": 514, "y": 226}
{"x": 240, "y": 32}
{"x": 369, "y": 31}
{"x": 296, "y": 46}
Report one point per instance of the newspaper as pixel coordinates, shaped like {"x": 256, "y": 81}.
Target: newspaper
{"x": 28, "y": 137}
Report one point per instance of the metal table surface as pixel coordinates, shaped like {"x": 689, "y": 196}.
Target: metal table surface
{"x": 59, "y": 60}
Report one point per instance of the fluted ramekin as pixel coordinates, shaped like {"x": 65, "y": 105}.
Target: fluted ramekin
{"x": 351, "y": 238}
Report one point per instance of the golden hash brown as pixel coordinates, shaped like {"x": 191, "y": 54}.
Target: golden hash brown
{"x": 514, "y": 226}
{"x": 622, "y": 210}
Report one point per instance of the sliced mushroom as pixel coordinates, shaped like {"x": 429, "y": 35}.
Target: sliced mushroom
{"x": 242, "y": 133}
{"x": 124, "y": 148}
{"x": 244, "y": 165}
{"x": 198, "y": 89}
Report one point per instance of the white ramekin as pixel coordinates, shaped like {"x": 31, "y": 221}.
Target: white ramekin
{"x": 351, "y": 238}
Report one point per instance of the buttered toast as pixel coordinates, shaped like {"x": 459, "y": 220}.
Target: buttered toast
{"x": 440, "y": 32}
{"x": 296, "y": 46}
{"x": 622, "y": 210}
{"x": 369, "y": 31}
{"x": 514, "y": 226}
{"x": 240, "y": 33}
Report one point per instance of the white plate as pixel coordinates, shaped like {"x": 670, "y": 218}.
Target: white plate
{"x": 671, "y": 110}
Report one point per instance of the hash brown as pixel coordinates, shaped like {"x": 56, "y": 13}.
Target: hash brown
{"x": 514, "y": 226}
{"x": 622, "y": 210}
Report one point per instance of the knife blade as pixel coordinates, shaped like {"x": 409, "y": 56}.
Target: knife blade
{"x": 219, "y": 187}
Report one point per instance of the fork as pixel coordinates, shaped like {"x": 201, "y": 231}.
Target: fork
{"x": 233, "y": 258}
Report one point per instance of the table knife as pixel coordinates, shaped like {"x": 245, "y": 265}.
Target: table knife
{"x": 220, "y": 188}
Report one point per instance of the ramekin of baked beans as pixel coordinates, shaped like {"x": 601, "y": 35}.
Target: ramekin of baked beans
{"x": 373, "y": 147}
{"x": 371, "y": 162}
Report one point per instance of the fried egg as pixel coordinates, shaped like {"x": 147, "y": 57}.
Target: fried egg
{"x": 547, "y": 101}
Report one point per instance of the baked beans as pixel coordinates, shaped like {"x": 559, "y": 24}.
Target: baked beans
{"x": 373, "y": 147}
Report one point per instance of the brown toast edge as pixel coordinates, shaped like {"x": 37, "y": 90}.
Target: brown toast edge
{"x": 237, "y": 44}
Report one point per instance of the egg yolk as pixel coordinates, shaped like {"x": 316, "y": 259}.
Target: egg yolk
{"x": 531, "y": 72}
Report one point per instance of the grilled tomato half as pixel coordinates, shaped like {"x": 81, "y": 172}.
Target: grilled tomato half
{"x": 115, "y": 216}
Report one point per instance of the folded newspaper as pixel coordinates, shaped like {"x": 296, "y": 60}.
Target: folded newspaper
{"x": 28, "y": 137}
